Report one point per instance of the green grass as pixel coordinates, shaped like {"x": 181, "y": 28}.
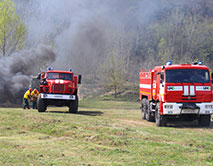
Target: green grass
{"x": 103, "y": 133}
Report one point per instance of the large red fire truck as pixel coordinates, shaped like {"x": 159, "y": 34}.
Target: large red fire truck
{"x": 176, "y": 91}
{"x": 58, "y": 88}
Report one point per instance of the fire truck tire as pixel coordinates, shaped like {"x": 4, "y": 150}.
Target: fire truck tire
{"x": 204, "y": 120}
{"x": 149, "y": 116}
{"x": 160, "y": 119}
{"x": 41, "y": 105}
{"x": 143, "y": 108}
{"x": 73, "y": 107}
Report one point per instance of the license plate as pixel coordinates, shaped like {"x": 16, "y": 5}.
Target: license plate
{"x": 190, "y": 111}
{"x": 58, "y": 96}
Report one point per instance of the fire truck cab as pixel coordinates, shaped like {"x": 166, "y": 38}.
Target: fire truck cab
{"x": 58, "y": 88}
{"x": 176, "y": 91}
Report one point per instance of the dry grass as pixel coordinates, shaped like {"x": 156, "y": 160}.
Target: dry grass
{"x": 103, "y": 133}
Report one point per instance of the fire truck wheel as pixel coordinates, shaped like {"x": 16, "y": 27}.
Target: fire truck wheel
{"x": 41, "y": 105}
{"x": 160, "y": 120}
{"x": 73, "y": 107}
{"x": 204, "y": 120}
{"x": 149, "y": 116}
{"x": 143, "y": 108}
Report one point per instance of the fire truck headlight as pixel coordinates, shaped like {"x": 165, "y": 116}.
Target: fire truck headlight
{"x": 209, "y": 106}
{"x": 168, "y": 106}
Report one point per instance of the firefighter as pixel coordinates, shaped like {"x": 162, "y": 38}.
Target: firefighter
{"x": 27, "y": 96}
{"x": 34, "y": 97}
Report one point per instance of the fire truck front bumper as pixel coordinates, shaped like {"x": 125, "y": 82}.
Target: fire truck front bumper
{"x": 187, "y": 108}
{"x": 58, "y": 96}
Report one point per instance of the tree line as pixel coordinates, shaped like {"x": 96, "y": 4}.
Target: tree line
{"x": 181, "y": 31}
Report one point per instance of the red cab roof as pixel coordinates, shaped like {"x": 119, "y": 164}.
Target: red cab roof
{"x": 59, "y": 71}
{"x": 186, "y": 66}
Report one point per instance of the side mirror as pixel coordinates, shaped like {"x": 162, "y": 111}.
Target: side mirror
{"x": 162, "y": 77}
{"x": 212, "y": 77}
{"x": 44, "y": 82}
{"x": 79, "y": 79}
{"x": 39, "y": 76}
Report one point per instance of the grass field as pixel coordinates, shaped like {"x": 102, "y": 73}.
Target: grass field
{"x": 103, "y": 133}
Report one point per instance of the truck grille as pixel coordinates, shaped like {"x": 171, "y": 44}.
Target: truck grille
{"x": 58, "y": 88}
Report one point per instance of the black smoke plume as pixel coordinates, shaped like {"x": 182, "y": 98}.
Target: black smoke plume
{"x": 16, "y": 71}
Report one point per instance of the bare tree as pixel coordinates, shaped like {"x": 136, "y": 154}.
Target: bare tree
{"x": 117, "y": 63}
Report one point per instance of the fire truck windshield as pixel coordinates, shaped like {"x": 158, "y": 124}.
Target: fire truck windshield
{"x": 63, "y": 76}
{"x": 187, "y": 76}
{"x": 52, "y": 76}
{"x": 66, "y": 76}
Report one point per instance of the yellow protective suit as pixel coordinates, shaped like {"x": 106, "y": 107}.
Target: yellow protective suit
{"x": 27, "y": 94}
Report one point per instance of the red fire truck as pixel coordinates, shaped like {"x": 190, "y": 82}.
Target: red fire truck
{"x": 58, "y": 88}
{"x": 176, "y": 91}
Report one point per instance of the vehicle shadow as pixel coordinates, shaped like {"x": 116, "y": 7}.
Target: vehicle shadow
{"x": 90, "y": 113}
{"x": 61, "y": 112}
{"x": 184, "y": 124}
{"x": 87, "y": 113}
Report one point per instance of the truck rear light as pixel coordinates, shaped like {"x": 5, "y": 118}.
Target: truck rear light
{"x": 168, "y": 106}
